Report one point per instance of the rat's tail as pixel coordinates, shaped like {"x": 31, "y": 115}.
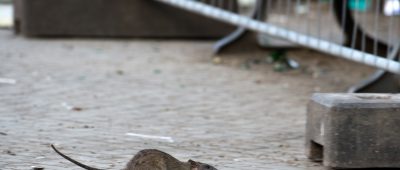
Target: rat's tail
{"x": 73, "y": 161}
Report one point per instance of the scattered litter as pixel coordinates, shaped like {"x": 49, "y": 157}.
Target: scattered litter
{"x": 7, "y": 81}
{"x": 293, "y": 64}
{"x": 71, "y": 127}
{"x": 281, "y": 61}
{"x": 78, "y": 109}
{"x": 165, "y": 138}
{"x": 37, "y": 168}
{"x": 10, "y": 153}
{"x": 69, "y": 107}
{"x": 278, "y": 55}
{"x": 87, "y": 127}
{"x": 217, "y": 60}
{"x": 2, "y": 133}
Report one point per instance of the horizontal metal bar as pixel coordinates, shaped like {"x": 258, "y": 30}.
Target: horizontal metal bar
{"x": 295, "y": 37}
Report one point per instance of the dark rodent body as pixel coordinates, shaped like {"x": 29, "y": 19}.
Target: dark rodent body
{"x": 151, "y": 159}
{"x": 154, "y": 159}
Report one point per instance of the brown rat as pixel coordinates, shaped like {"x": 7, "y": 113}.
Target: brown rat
{"x": 151, "y": 159}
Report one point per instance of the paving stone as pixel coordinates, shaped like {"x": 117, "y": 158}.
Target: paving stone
{"x": 214, "y": 113}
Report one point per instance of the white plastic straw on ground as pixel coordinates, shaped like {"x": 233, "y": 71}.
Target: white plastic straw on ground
{"x": 164, "y": 138}
{"x": 301, "y": 39}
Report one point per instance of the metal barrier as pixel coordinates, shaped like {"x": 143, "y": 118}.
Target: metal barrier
{"x": 307, "y": 40}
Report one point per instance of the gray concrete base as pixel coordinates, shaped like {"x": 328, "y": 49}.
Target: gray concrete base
{"x": 354, "y": 130}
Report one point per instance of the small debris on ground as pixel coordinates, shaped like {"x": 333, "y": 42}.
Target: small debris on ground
{"x": 37, "y": 168}
{"x": 281, "y": 61}
{"x": 66, "y": 105}
{"x": 87, "y": 126}
{"x": 78, "y": 109}
{"x": 217, "y": 60}
{"x": 69, "y": 107}
{"x": 277, "y": 56}
{"x": 10, "y": 153}
{"x": 293, "y": 64}
{"x": 3, "y": 133}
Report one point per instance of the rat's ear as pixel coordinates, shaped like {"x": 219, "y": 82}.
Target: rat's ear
{"x": 193, "y": 164}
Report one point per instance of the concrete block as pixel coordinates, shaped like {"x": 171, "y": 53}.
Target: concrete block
{"x": 114, "y": 18}
{"x": 354, "y": 130}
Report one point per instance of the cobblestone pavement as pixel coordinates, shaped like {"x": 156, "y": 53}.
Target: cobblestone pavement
{"x": 86, "y": 95}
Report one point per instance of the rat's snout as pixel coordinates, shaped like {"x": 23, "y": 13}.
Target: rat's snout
{"x": 203, "y": 166}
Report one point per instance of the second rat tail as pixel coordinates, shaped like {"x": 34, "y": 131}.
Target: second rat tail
{"x": 73, "y": 161}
